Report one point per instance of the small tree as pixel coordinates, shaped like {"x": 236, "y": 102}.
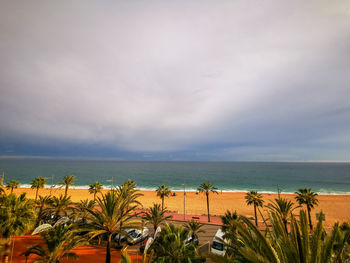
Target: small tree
{"x": 60, "y": 206}
{"x": 284, "y": 208}
{"x": 307, "y": 197}
{"x": 95, "y": 188}
{"x": 16, "y": 217}
{"x": 163, "y": 191}
{"x": 194, "y": 228}
{"x": 59, "y": 241}
{"x": 156, "y": 216}
{"x": 38, "y": 183}
{"x": 43, "y": 202}
{"x": 255, "y": 199}
{"x": 113, "y": 209}
{"x": 206, "y": 188}
{"x": 13, "y": 184}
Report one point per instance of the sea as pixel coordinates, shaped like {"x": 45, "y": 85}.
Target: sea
{"x": 266, "y": 177}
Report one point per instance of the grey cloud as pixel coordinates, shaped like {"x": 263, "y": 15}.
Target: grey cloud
{"x": 162, "y": 76}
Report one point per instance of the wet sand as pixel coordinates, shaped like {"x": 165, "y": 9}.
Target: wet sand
{"x": 336, "y": 207}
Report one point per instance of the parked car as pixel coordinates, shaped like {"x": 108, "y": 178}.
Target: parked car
{"x": 137, "y": 236}
{"x": 133, "y": 236}
{"x": 217, "y": 246}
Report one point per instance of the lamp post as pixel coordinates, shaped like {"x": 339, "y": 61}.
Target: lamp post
{"x": 184, "y": 201}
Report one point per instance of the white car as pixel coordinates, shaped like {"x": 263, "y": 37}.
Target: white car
{"x": 217, "y": 246}
{"x": 136, "y": 236}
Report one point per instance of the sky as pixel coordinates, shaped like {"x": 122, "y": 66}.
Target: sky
{"x": 175, "y": 80}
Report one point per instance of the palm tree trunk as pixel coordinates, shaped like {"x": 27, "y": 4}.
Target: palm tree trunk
{"x": 66, "y": 190}
{"x": 120, "y": 235}
{"x": 207, "y": 194}
{"x": 285, "y": 225}
{"x": 308, "y": 213}
{"x": 162, "y": 203}
{"x": 256, "y": 216}
{"x": 11, "y": 193}
{"x": 36, "y": 194}
{"x": 108, "y": 250}
{"x": 5, "y": 259}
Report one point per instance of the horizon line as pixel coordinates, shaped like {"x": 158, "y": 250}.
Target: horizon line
{"x": 75, "y": 158}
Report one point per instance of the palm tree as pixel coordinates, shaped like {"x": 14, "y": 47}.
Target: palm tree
{"x": 206, "y": 188}
{"x": 113, "y": 210}
{"x": 16, "y": 217}
{"x": 37, "y": 183}
{"x": 171, "y": 246}
{"x": 128, "y": 191}
{"x": 68, "y": 180}
{"x": 156, "y": 216}
{"x": 194, "y": 228}
{"x": 284, "y": 208}
{"x": 254, "y": 198}
{"x": 13, "y": 184}
{"x": 95, "y": 188}
{"x": 229, "y": 221}
{"x": 59, "y": 241}
{"x": 309, "y": 198}
{"x": 44, "y": 202}
{"x": 59, "y": 206}
{"x": 163, "y": 191}
{"x": 81, "y": 209}
{"x": 276, "y": 246}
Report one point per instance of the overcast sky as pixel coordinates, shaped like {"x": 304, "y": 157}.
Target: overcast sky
{"x": 176, "y": 80}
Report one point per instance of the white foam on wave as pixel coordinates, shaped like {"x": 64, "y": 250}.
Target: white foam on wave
{"x": 179, "y": 189}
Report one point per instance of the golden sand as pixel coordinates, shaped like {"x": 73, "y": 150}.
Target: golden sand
{"x": 336, "y": 207}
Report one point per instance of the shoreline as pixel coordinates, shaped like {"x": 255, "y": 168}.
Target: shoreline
{"x": 334, "y": 206}
{"x": 192, "y": 190}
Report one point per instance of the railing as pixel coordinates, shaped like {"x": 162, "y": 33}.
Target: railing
{"x": 201, "y": 247}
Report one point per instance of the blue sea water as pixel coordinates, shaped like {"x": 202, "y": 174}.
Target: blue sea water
{"x": 325, "y": 178}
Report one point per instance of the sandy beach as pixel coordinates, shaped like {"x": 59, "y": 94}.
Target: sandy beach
{"x": 336, "y": 207}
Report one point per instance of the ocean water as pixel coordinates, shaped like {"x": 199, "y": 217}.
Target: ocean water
{"x": 324, "y": 178}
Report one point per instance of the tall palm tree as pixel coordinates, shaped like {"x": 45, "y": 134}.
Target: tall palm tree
{"x": 206, "y": 188}
{"x": 129, "y": 192}
{"x": 309, "y": 198}
{"x": 68, "y": 180}
{"x": 284, "y": 208}
{"x": 194, "y": 228}
{"x": 254, "y": 198}
{"x": 16, "y": 217}
{"x": 13, "y": 184}
{"x": 163, "y": 191}
{"x": 106, "y": 220}
{"x": 171, "y": 246}
{"x": 95, "y": 188}
{"x": 38, "y": 183}
{"x": 155, "y": 216}
{"x": 59, "y": 241}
